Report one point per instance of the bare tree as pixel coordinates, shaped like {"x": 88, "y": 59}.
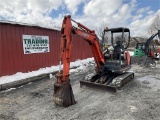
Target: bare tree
{"x": 135, "y": 40}
{"x": 155, "y": 26}
{"x": 99, "y": 31}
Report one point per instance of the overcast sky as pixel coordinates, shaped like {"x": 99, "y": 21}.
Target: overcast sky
{"x": 135, "y": 14}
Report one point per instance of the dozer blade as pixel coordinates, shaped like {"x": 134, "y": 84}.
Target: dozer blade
{"x": 116, "y": 83}
{"x": 97, "y": 86}
{"x": 63, "y": 94}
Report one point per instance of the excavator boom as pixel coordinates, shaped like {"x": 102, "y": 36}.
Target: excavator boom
{"x": 66, "y": 41}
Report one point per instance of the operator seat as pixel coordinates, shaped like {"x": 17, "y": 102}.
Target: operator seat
{"x": 117, "y": 50}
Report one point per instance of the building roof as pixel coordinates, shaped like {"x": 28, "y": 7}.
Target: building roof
{"x": 26, "y": 24}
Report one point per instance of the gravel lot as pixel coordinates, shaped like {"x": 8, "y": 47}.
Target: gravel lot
{"x": 139, "y": 100}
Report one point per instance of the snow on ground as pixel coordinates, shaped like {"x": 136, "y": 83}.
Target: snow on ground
{"x": 19, "y": 75}
{"x": 80, "y": 64}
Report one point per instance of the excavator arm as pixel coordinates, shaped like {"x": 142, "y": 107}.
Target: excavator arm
{"x": 149, "y": 41}
{"x": 63, "y": 94}
{"x": 66, "y": 39}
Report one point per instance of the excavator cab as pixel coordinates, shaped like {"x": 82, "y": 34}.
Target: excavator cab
{"x": 114, "y": 73}
{"x": 117, "y": 59}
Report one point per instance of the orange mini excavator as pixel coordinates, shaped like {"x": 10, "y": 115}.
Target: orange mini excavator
{"x": 111, "y": 65}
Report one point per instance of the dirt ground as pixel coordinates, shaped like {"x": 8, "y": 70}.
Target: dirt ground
{"x": 139, "y": 100}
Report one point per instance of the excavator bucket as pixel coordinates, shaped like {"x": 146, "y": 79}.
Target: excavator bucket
{"x": 63, "y": 94}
